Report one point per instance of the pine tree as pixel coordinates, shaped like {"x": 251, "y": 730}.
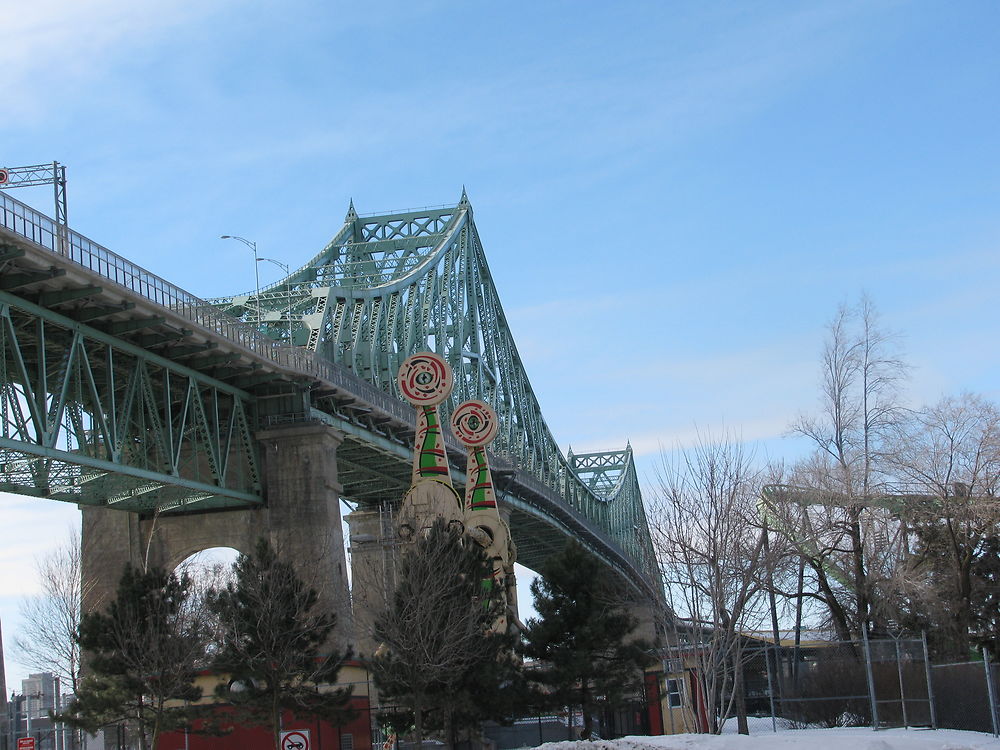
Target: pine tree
{"x": 438, "y": 654}
{"x": 143, "y": 652}
{"x": 581, "y": 635}
{"x": 986, "y": 595}
{"x": 274, "y": 646}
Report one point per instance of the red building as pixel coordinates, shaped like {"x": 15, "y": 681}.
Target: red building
{"x": 321, "y": 735}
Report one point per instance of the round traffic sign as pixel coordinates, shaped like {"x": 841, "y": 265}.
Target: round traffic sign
{"x": 295, "y": 740}
{"x": 4, "y": 176}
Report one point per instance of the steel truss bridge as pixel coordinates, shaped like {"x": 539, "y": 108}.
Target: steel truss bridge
{"x": 119, "y": 389}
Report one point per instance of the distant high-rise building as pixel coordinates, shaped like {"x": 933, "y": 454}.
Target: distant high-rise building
{"x": 28, "y": 715}
{"x": 40, "y": 692}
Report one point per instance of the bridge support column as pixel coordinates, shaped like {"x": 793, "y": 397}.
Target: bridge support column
{"x": 301, "y": 519}
{"x": 303, "y": 509}
{"x": 373, "y": 565}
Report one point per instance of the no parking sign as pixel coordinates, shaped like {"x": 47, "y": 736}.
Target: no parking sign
{"x": 296, "y": 739}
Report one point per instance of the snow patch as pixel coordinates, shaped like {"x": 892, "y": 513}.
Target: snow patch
{"x": 813, "y": 739}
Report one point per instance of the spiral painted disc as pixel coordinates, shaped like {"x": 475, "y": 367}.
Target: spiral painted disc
{"x": 425, "y": 379}
{"x": 475, "y": 424}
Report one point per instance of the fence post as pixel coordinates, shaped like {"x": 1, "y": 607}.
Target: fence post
{"x": 902, "y": 694}
{"x": 770, "y": 684}
{"x": 930, "y": 687}
{"x": 991, "y": 690}
{"x": 871, "y": 677}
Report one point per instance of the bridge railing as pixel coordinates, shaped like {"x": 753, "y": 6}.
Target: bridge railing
{"x": 32, "y": 225}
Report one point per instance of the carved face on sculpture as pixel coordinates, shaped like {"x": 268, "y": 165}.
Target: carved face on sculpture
{"x": 425, "y": 379}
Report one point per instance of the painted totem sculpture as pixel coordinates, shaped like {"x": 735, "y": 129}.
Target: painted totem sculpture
{"x": 425, "y": 380}
{"x": 475, "y": 425}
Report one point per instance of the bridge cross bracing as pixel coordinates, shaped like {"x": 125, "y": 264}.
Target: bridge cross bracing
{"x": 385, "y": 286}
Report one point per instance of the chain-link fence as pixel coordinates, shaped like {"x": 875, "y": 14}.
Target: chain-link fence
{"x": 965, "y": 695}
{"x": 881, "y": 683}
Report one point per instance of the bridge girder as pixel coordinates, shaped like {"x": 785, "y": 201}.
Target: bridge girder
{"x": 90, "y": 419}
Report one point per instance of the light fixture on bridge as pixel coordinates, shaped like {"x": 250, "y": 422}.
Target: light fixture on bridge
{"x": 288, "y": 288}
{"x": 256, "y": 273}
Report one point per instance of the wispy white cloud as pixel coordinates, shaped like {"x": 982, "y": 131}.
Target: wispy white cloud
{"x": 33, "y": 527}
{"x": 674, "y": 436}
{"x": 54, "y": 47}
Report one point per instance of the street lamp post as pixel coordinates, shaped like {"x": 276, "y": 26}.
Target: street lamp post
{"x": 288, "y": 287}
{"x": 256, "y": 274}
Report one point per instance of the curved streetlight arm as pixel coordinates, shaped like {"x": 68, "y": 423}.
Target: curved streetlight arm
{"x": 256, "y": 272}
{"x": 249, "y": 243}
{"x": 283, "y": 266}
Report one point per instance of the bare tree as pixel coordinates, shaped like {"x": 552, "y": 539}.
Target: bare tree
{"x": 860, "y": 408}
{"x": 52, "y": 616}
{"x": 948, "y": 456}
{"x": 710, "y": 542}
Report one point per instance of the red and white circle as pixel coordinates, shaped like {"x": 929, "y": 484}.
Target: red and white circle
{"x": 4, "y": 176}
{"x": 475, "y": 424}
{"x": 295, "y": 740}
{"x": 425, "y": 379}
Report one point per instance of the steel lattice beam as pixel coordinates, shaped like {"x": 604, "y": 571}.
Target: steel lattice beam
{"x": 87, "y": 418}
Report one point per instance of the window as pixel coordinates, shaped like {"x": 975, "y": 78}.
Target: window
{"x": 347, "y": 742}
{"x": 673, "y": 693}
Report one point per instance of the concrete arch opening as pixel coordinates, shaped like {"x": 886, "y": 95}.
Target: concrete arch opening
{"x": 210, "y": 567}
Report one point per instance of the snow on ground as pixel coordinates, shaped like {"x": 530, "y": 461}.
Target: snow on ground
{"x": 813, "y": 739}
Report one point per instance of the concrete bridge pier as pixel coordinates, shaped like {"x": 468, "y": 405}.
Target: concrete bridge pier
{"x": 375, "y": 548}
{"x": 301, "y": 519}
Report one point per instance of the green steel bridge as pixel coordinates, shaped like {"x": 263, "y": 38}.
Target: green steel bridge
{"x": 120, "y": 390}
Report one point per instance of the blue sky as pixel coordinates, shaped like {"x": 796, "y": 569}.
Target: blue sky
{"x": 674, "y": 197}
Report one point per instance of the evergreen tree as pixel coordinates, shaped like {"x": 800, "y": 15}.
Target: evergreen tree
{"x": 580, "y": 636}
{"x": 274, "y": 646}
{"x": 143, "y": 652}
{"x": 986, "y": 595}
{"x": 438, "y": 656}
